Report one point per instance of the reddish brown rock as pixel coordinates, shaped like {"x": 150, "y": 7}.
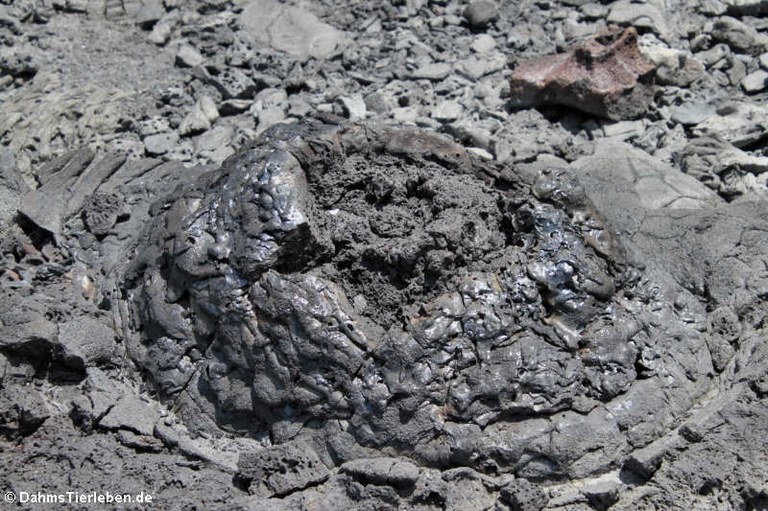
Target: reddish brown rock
{"x": 606, "y": 76}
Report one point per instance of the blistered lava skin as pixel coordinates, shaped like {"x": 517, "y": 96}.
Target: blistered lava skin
{"x": 382, "y": 278}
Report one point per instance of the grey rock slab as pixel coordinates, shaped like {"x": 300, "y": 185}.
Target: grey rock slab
{"x": 746, "y": 7}
{"x": 480, "y": 153}
{"x": 480, "y": 13}
{"x": 12, "y": 186}
{"x": 476, "y": 67}
{"x": 176, "y": 436}
{"x": 640, "y": 15}
{"x": 139, "y": 442}
{"x": 435, "y": 72}
{"x": 271, "y": 97}
{"x": 207, "y": 106}
{"x": 161, "y": 143}
{"x": 739, "y": 35}
{"x": 86, "y": 340}
{"x": 715, "y": 162}
{"x": 183, "y": 151}
{"x": 150, "y": 13}
{"x": 383, "y": 471}
{"x": 80, "y": 6}
{"x": 161, "y": 33}
{"x": 203, "y": 114}
{"x": 584, "y": 445}
{"x": 483, "y": 43}
{"x": 447, "y": 111}
{"x": 239, "y": 54}
{"x": 235, "y": 106}
{"x": 153, "y": 126}
{"x": 25, "y": 324}
{"x": 214, "y": 139}
{"x": 194, "y": 122}
{"x": 291, "y": 29}
{"x": 269, "y": 117}
{"x": 188, "y": 56}
{"x": 281, "y": 469}
{"x": 234, "y": 83}
{"x": 102, "y": 392}
{"x": 353, "y": 107}
{"x": 406, "y": 114}
{"x": 131, "y": 413}
{"x": 593, "y": 11}
{"x": 602, "y": 495}
{"x": 618, "y": 176}
{"x": 523, "y": 495}
{"x": 715, "y": 55}
{"x": 739, "y": 123}
{"x": 78, "y": 172}
{"x": 764, "y": 60}
{"x": 673, "y": 67}
{"x": 300, "y": 107}
{"x": 756, "y": 81}
{"x": 692, "y": 113}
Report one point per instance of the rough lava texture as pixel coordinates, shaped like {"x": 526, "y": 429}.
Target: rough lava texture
{"x": 322, "y": 259}
{"x": 384, "y": 278}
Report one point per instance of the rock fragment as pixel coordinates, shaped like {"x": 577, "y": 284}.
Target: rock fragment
{"x": 214, "y": 139}
{"x": 673, "y": 67}
{"x": 483, "y": 43}
{"x": 12, "y": 186}
{"x": 100, "y": 212}
{"x": 746, "y": 7}
{"x": 606, "y": 76}
{"x": 725, "y": 168}
{"x": 480, "y": 13}
{"x": 447, "y": 111}
{"x": 764, "y": 60}
{"x": 435, "y": 72}
{"x": 740, "y": 123}
{"x": 293, "y": 30}
{"x": 522, "y": 495}
{"x": 234, "y": 83}
{"x": 383, "y": 471}
{"x": 281, "y": 469}
{"x": 150, "y": 13}
{"x": 353, "y": 107}
{"x": 161, "y": 143}
{"x": 639, "y": 15}
{"x": 602, "y": 495}
{"x": 692, "y": 113}
{"x": 203, "y": 114}
{"x": 739, "y": 36}
{"x": 477, "y": 67}
{"x": 131, "y": 413}
{"x": 755, "y": 82}
{"x": 86, "y": 341}
{"x": 188, "y": 56}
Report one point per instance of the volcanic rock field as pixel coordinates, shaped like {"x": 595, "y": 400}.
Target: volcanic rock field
{"x": 408, "y": 255}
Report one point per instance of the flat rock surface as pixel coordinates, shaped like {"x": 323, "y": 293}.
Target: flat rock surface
{"x": 293, "y": 30}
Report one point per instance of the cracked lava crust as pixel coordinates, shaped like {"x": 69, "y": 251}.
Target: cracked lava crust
{"x": 383, "y": 284}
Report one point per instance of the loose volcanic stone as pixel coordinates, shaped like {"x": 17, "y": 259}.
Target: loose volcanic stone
{"x": 606, "y": 76}
{"x": 480, "y": 13}
{"x": 290, "y": 29}
{"x": 188, "y": 56}
{"x": 755, "y": 82}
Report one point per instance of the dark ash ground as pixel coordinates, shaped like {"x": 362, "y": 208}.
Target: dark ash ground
{"x": 259, "y": 255}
